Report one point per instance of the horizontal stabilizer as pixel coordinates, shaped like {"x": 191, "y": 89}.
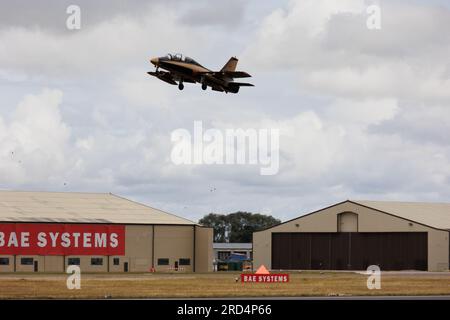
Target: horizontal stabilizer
{"x": 243, "y": 84}
{"x": 236, "y": 74}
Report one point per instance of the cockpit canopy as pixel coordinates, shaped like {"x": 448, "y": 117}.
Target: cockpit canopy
{"x": 180, "y": 57}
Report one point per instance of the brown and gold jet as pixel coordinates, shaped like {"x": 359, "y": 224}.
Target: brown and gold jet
{"x": 184, "y": 69}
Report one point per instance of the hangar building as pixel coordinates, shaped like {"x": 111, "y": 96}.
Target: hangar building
{"x": 352, "y": 235}
{"x": 47, "y": 231}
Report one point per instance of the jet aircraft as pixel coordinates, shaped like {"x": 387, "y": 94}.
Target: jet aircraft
{"x": 181, "y": 69}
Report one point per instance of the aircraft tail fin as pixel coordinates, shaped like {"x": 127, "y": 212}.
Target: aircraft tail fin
{"x": 230, "y": 65}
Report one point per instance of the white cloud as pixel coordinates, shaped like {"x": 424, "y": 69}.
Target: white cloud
{"x": 143, "y": 91}
{"x": 34, "y": 140}
{"x": 85, "y": 144}
{"x": 362, "y": 113}
{"x": 104, "y": 48}
{"x": 329, "y": 47}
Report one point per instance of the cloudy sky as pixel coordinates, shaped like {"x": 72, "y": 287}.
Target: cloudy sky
{"x": 364, "y": 114}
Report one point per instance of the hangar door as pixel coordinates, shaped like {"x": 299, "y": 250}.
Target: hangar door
{"x": 350, "y": 250}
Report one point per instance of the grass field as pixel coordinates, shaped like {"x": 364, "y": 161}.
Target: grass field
{"x": 13, "y": 286}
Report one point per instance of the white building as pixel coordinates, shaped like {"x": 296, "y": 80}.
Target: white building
{"x": 223, "y": 250}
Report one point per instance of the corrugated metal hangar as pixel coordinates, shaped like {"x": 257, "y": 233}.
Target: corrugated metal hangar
{"x": 353, "y": 235}
{"x": 47, "y": 231}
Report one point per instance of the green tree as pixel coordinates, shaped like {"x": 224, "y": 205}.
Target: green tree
{"x": 238, "y": 226}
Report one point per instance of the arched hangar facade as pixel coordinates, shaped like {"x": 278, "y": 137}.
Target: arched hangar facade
{"x": 353, "y": 235}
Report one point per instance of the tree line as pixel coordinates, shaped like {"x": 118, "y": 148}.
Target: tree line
{"x": 238, "y": 226}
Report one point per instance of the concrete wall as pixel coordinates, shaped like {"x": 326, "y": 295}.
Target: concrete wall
{"x": 85, "y": 264}
{"x": 7, "y": 268}
{"x": 174, "y": 243}
{"x": 138, "y": 249}
{"x": 29, "y": 268}
{"x": 369, "y": 220}
{"x": 141, "y": 254}
{"x": 203, "y": 249}
{"x": 52, "y": 263}
{"x": 47, "y": 263}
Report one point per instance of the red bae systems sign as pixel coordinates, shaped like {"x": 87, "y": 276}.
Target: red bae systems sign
{"x": 263, "y": 275}
{"x": 61, "y": 239}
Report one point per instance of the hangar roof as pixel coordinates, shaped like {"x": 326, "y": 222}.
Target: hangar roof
{"x": 435, "y": 215}
{"x": 431, "y": 214}
{"x": 73, "y": 207}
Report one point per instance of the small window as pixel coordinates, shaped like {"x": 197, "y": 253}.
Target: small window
{"x": 4, "y": 261}
{"x": 96, "y": 261}
{"x": 163, "y": 262}
{"x": 26, "y": 261}
{"x": 73, "y": 261}
{"x": 185, "y": 262}
{"x": 116, "y": 261}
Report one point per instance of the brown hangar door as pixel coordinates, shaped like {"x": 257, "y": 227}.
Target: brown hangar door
{"x": 350, "y": 250}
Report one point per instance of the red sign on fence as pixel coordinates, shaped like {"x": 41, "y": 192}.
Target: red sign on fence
{"x": 61, "y": 239}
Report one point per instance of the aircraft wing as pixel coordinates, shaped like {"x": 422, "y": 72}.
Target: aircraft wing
{"x": 164, "y": 76}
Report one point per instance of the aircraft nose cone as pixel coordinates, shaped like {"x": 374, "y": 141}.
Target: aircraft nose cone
{"x": 154, "y": 61}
